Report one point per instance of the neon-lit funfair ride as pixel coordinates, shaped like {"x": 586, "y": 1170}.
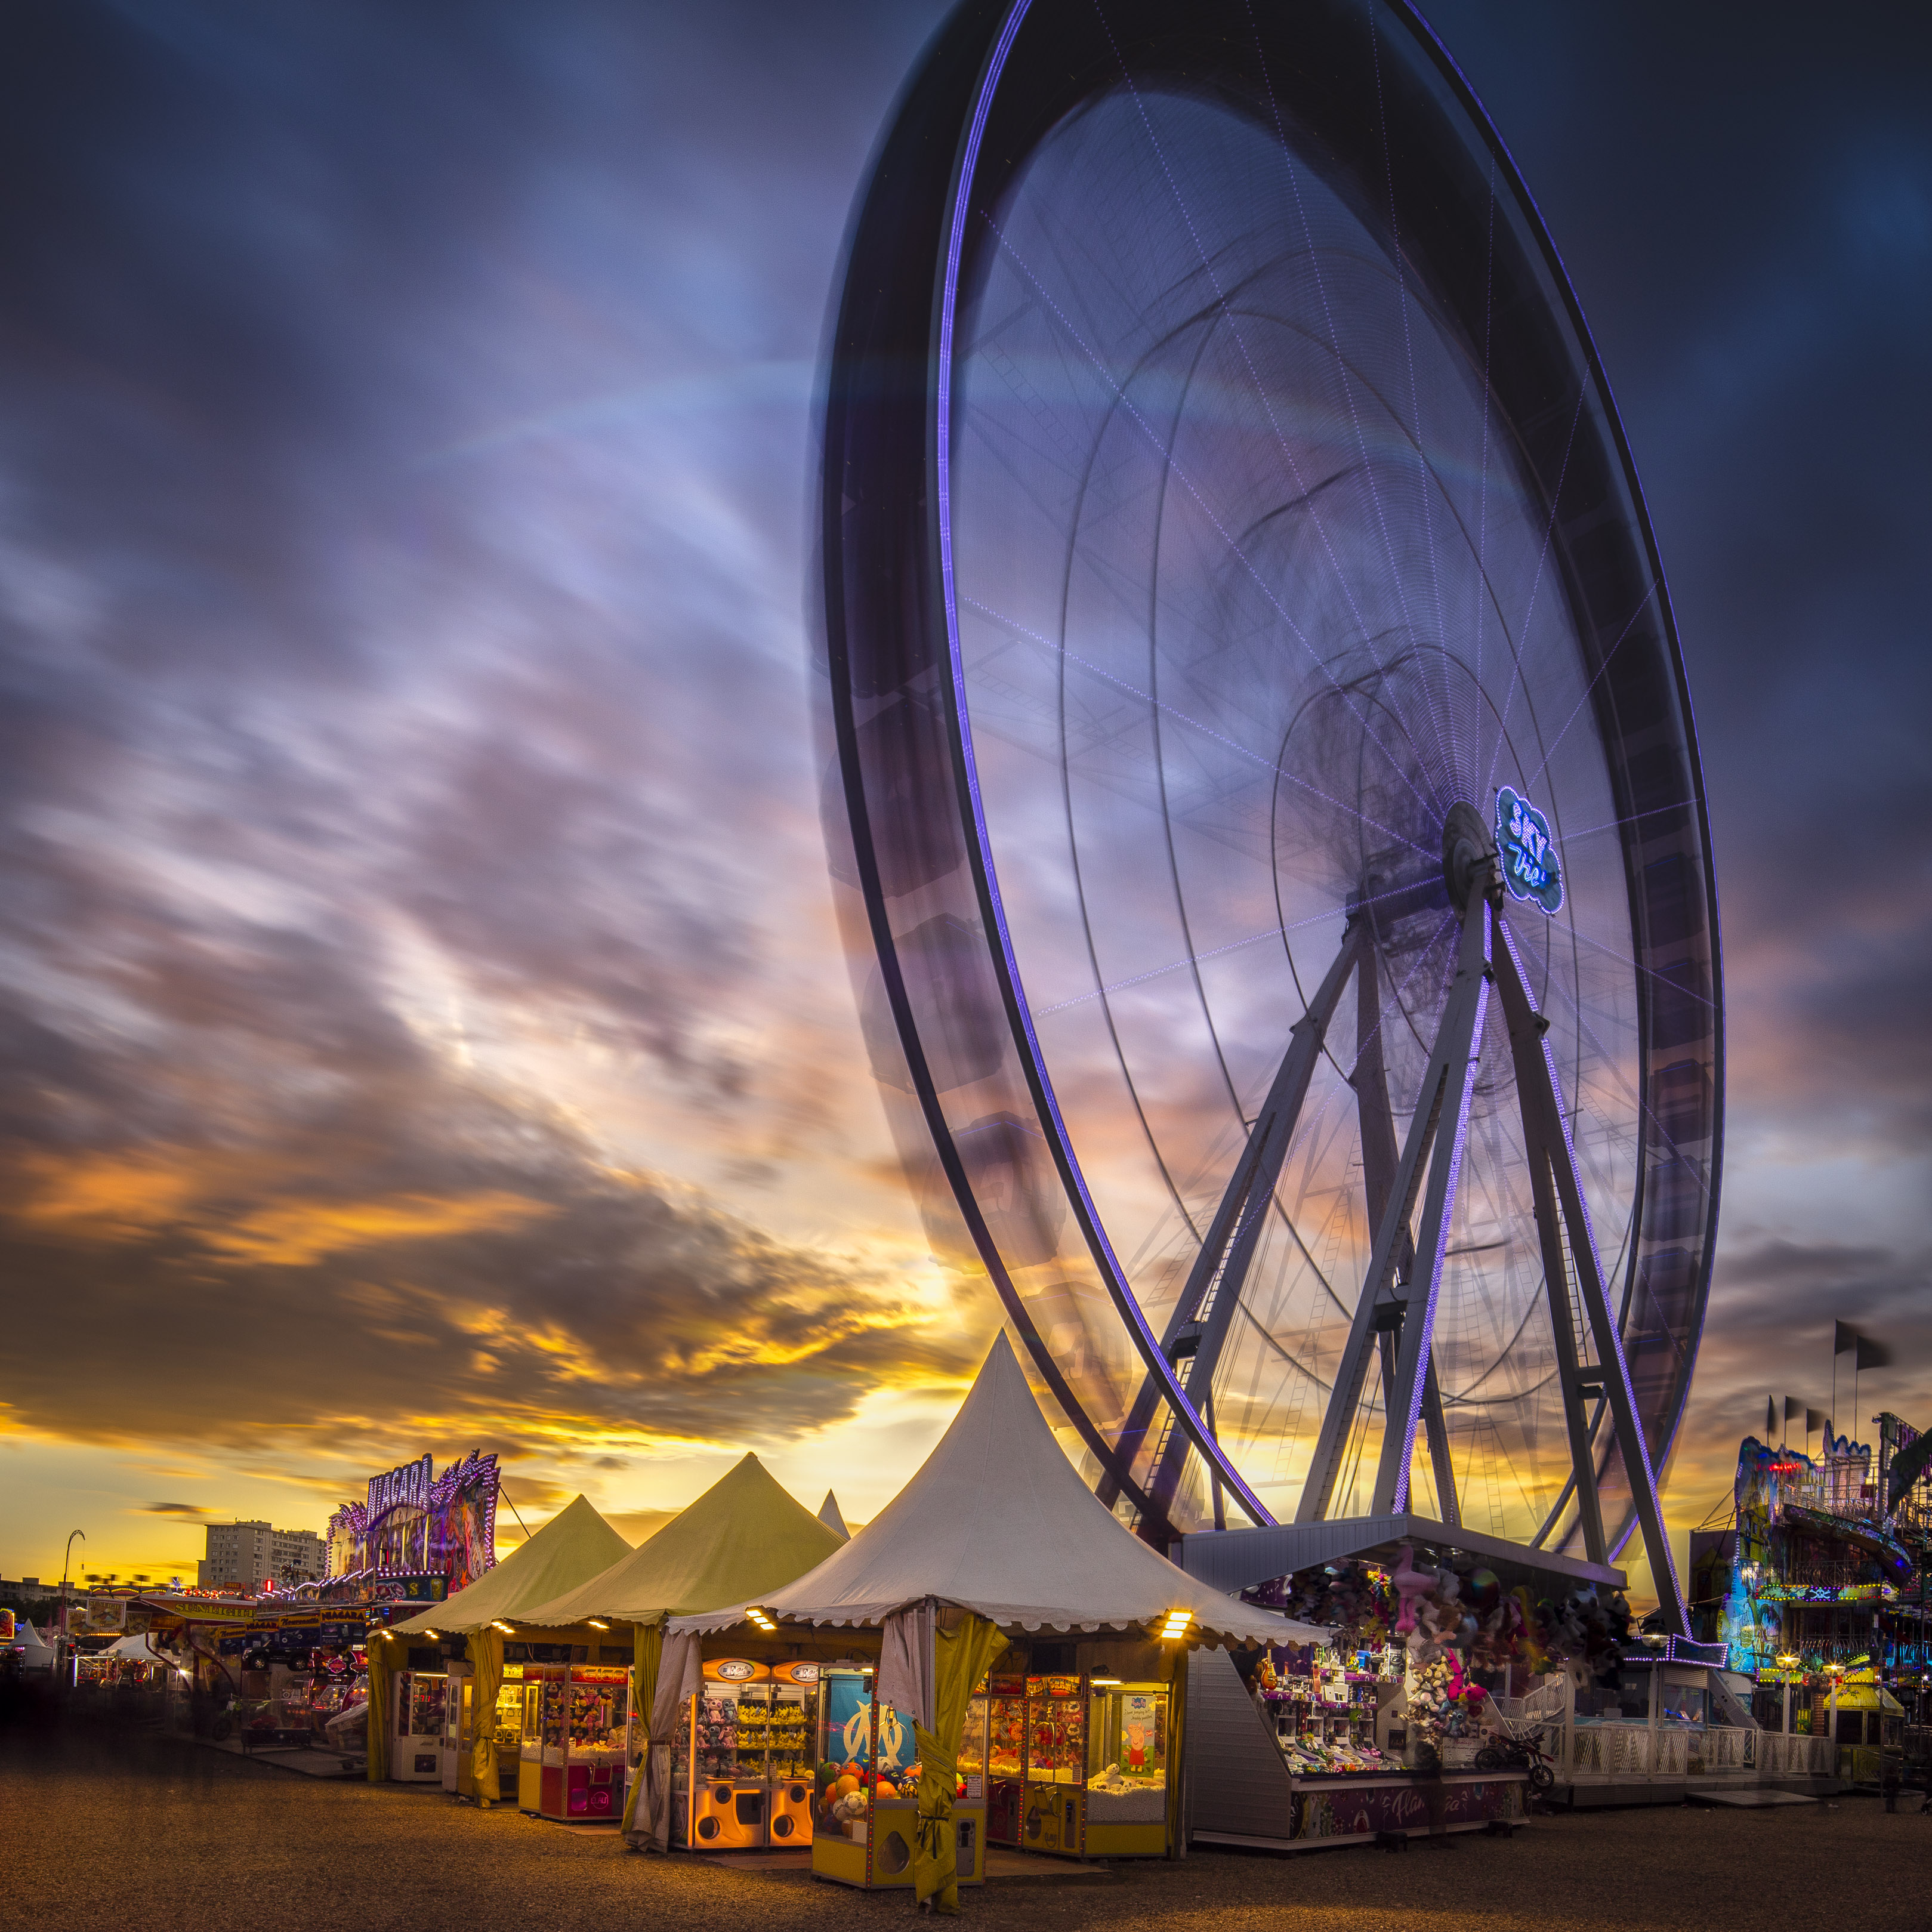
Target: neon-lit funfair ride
{"x": 1265, "y": 789}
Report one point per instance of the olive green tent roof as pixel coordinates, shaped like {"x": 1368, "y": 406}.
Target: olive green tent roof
{"x": 573, "y": 1546}
{"x": 744, "y": 1537}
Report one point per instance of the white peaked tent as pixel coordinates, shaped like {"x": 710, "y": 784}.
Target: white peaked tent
{"x": 998, "y": 1521}
{"x": 133, "y": 1648}
{"x": 35, "y": 1654}
{"x": 832, "y": 1517}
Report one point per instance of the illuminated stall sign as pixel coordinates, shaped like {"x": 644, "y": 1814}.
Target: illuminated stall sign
{"x": 418, "y": 1524}
{"x": 1531, "y": 868}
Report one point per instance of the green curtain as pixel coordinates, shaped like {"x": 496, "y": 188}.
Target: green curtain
{"x": 486, "y": 1666}
{"x": 646, "y": 1651}
{"x": 382, "y": 1648}
{"x": 963, "y": 1656}
{"x": 1177, "y": 1726}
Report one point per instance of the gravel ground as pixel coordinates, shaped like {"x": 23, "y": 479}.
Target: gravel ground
{"x": 102, "y": 1831}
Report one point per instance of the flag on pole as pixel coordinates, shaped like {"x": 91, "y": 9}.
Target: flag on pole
{"x": 1871, "y": 1355}
{"x": 1770, "y": 1420}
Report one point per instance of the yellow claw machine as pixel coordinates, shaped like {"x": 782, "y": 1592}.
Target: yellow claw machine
{"x": 537, "y": 1680}
{"x": 1096, "y": 1782}
{"x": 509, "y": 1732}
{"x": 867, "y": 1820}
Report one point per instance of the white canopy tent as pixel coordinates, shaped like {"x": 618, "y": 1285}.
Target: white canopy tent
{"x": 35, "y": 1654}
{"x": 998, "y": 1521}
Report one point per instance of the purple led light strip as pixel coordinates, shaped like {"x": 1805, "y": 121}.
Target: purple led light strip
{"x": 1124, "y": 1298}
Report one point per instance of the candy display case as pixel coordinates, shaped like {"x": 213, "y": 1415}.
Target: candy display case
{"x": 585, "y": 1734}
{"x": 867, "y": 1790}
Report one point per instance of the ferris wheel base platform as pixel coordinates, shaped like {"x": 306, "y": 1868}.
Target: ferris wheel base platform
{"x": 1238, "y": 1559}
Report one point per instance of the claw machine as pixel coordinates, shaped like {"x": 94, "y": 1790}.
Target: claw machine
{"x": 509, "y": 1732}
{"x": 790, "y": 1766}
{"x": 458, "y": 1701}
{"x": 719, "y": 1794}
{"x": 1095, "y": 1768}
{"x": 415, "y": 1753}
{"x": 586, "y": 1740}
{"x": 537, "y": 1684}
{"x": 867, "y": 1821}
{"x": 1006, "y": 1757}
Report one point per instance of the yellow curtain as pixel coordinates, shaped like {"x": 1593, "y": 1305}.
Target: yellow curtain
{"x": 1177, "y": 1725}
{"x": 646, "y": 1650}
{"x": 382, "y": 1690}
{"x": 963, "y": 1656}
{"x": 486, "y": 1666}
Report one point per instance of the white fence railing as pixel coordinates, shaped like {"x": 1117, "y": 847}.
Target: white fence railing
{"x": 1796, "y": 1756}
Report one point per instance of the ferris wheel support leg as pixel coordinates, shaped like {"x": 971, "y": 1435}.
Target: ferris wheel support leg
{"x": 1370, "y": 1082}
{"x": 1459, "y": 1053}
{"x": 1444, "y": 1092}
{"x": 1543, "y": 1096}
{"x": 1526, "y": 1045}
{"x": 1205, "y": 1307}
{"x": 1220, "y": 1271}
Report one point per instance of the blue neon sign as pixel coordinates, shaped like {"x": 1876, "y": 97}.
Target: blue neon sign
{"x": 1530, "y": 868}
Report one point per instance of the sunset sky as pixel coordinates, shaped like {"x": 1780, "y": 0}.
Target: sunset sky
{"x": 423, "y": 1021}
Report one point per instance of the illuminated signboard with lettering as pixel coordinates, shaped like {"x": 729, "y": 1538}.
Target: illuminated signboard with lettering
{"x": 1531, "y": 868}
{"x": 421, "y": 1525}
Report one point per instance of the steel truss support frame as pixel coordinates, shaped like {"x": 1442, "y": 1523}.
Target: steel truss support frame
{"x": 1406, "y": 1307}
{"x": 1395, "y": 1315}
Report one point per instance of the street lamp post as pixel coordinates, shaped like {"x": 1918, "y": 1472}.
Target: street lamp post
{"x": 67, "y": 1564}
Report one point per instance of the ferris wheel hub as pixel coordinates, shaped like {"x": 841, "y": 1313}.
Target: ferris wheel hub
{"x": 1470, "y": 863}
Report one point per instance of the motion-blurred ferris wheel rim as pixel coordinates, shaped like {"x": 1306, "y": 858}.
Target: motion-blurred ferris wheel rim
{"x": 1361, "y": 91}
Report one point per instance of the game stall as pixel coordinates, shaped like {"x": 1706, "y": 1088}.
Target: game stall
{"x": 1401, "y": 1721}
{"x": 480, "y": 1627}
{"x": 726, "y": 1752}
{"x": 1015, "y": 1678}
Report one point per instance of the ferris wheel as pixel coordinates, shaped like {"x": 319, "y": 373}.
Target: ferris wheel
{"x": 1265, "y": 778}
